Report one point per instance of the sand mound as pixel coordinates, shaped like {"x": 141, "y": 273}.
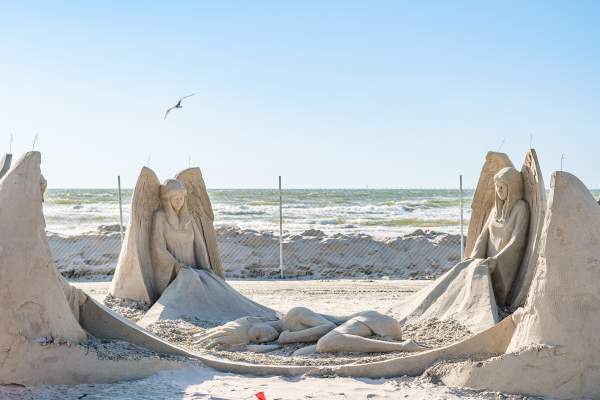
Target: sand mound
{"x": 41, "y": 340}
{"x": 33, "y": 302}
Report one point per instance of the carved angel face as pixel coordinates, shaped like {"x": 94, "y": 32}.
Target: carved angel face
{"x": 177, "y": 200}
{"x": 501, "y": 189}
{"x": 173, "y": 193}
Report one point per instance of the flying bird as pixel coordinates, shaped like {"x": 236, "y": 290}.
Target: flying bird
{"x": 178, "y": 105}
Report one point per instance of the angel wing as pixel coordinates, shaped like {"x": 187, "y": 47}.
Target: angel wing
{"x": 5, "y": 164}
{"x": 483, "y": 199}
{"x": 201, "y": 209}
{"x": 535, "y": 194}
{"x": 134, "y": 276}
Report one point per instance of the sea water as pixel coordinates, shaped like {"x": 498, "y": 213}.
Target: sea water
{"x": 378, "y": 212}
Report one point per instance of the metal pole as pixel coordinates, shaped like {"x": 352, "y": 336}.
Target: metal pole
{"x": 120, "y": 208}
{"x": 280, "y": 229}
{"x": 462, "y": 237}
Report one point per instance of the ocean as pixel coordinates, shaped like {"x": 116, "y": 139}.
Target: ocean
{"x": 377, "y": 212}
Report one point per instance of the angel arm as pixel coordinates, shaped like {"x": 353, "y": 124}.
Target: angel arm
{"x": 508, "y": 260}
{"x": 200, "y": 248}
{"x": 480, "y": 247}
{"x": 165, "y": 265}
{"x": 306, "y": 335}
{"x": 517, "y": 242}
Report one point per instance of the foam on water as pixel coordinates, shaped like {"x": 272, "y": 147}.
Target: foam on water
{"x": 379, "y": 212}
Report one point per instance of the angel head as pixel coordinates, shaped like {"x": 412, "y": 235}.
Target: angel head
{"x": 508, "y": 183}
{"x": 172, "y": 194}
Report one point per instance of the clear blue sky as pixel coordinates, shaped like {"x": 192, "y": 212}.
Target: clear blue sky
{"x": 325, "y": 93}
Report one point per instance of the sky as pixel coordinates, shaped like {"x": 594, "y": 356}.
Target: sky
{"x": 328, "y": 94}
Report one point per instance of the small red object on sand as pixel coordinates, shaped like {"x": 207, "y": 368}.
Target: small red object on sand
{"x": 261, "y": 396}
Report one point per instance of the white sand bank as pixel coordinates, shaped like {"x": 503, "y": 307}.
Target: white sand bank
{"x": 250, "y": 254}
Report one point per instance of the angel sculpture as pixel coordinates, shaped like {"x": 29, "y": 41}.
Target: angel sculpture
{"x": 503, "y": 237}
{"x": 177, "y": 241}
{"x": 170, "y": 256}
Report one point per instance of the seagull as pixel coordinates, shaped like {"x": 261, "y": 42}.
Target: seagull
{"x": 178, "y": 105}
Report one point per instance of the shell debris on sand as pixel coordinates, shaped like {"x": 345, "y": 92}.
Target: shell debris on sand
{"x": 119, "y": 350}
{"x": 132, "y": 309}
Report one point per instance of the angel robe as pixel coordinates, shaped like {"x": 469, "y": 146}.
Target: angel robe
{"x": 185, "y": 282}
{"x": 175, "y": 245}
{"x": 506, "y": 243}
{"x": 468, "y": 293}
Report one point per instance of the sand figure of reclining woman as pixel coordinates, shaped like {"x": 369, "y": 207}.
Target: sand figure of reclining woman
{"x": 302, "y": 325}
{"x": 472, "y": 290}
{"x": 170, "y": 257}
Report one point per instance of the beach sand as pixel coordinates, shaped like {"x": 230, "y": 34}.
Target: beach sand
{"x": 339, "y": 296}
{"x": 204, "y": 383}
{"x": 334, "y": 296}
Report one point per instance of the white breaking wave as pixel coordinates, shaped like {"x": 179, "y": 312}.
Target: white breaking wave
{"x": 381, "y": 213}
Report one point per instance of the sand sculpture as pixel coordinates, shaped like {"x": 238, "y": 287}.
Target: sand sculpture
{"x": 484, "y": 196}
{"x": 548, "y": 347}
{"x": 503, "y": 239}
{"x": 67, "y": 342}
{"x": 506, "y": 239}
{"x": 533, "y": 193}
{"x": 170, "y": 256}
{"x": 517, "y": 207}
{"x": 502, "y": 255}
{"x": 44, "y": 335}
{"x": 554, "y": 350}
{"x": 469, "y": 293}
{"x": 301, "y": 325}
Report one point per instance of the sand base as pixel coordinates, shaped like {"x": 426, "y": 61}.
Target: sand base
{"x": 340, "y": 296}
{"x": 205, "y": 383}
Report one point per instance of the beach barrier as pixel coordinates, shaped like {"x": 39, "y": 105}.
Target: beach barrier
{"x": 326, "y": 234}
